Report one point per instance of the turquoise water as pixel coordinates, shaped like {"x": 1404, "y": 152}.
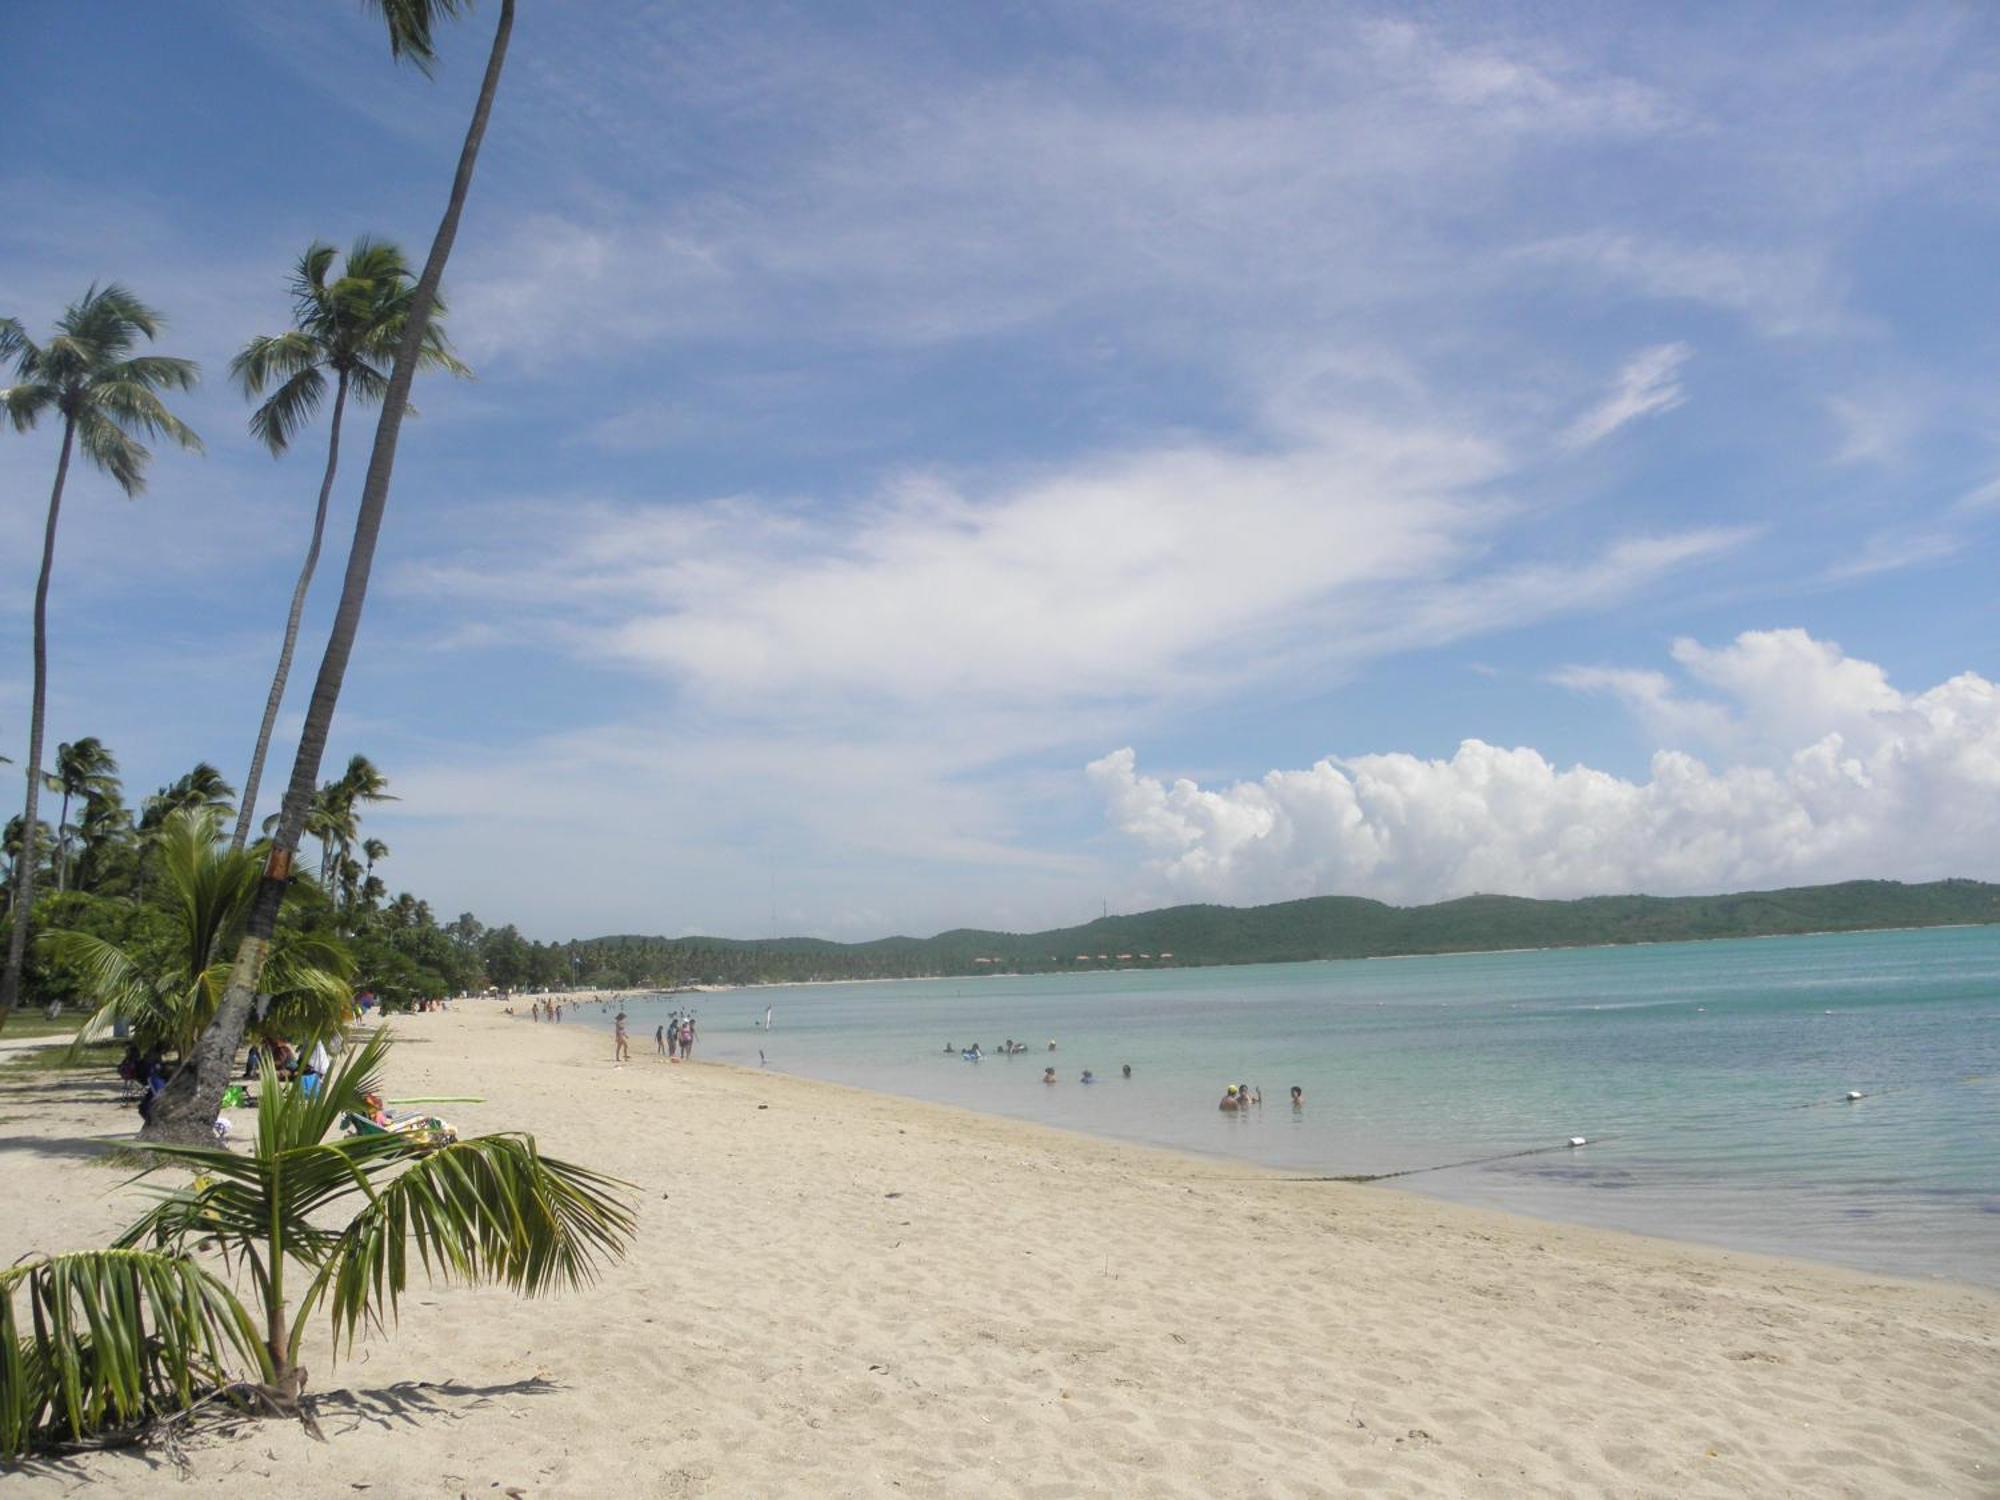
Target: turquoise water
{"x": 1709, "y": 1078}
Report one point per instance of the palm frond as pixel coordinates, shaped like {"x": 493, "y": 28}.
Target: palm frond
{"x": 110, "y": 320}
{"x": 110, "y": 1338}
{"x": 366, "y": 384}
{"x": 490, "y": 1209}
{"x": 289, "y": 408}
{"x": 24, "y": 404}
{"x": 309, "y": 277}
{"x": 410, "y": 24}
{"x": 121, "y": 989}
{"x": 270, "y": 357}
{"x": 113, "y": 450}
{"x": 127, "y": 394}
{"x": 14, "y": 341}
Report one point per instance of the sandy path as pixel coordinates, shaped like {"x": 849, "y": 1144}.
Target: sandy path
{"x": 836, "y": 1293}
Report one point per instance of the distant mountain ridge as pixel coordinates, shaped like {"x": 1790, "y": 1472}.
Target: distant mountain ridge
{"x": 1318, "y": 927}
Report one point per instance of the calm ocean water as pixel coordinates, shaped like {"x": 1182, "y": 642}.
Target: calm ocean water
{"x": 1710, "y": 1078}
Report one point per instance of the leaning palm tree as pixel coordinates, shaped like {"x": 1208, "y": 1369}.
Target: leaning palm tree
{"x": 348, "y": 327}
{"x": 491, "y": 1209}
{"x": 106, "y": 396}
{"x": 84, "y": 768}
{"x": 184, "y": 1113}
{"x": 166, "y": 989}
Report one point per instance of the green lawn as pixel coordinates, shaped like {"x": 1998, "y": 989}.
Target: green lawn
{"x": 32, "y": 1021}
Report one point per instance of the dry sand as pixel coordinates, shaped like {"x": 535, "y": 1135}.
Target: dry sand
{"x": 836, "y": 1293}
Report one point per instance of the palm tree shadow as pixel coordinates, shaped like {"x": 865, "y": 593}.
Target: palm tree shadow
{"x": 77, "y": 1147}
{"x": 409, "y": 1402}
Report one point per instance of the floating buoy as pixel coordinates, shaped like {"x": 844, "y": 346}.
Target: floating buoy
{"x": 1577, "y": 1140}
{"x": 1853, "y": 1094}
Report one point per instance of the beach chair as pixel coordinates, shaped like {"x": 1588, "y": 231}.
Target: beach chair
{"x": 425, "y": 1132}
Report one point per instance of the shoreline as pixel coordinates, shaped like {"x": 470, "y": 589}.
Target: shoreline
{"x": 842, "y": 1292}
{"x": 1394, "y": 1182}
{"x": 1250, "y": 963}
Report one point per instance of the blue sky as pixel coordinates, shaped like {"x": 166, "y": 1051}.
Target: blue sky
{"x": 938, "y": 465}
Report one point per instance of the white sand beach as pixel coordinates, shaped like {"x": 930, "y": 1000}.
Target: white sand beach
{"x": 835, "y": 1293}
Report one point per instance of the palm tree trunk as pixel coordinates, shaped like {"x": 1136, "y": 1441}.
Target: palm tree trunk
{"x": 62, "y": 843}
{"x": 24, "y": 867}
{"x": 186, "y": 1111}
{"x": 248, "y": 809}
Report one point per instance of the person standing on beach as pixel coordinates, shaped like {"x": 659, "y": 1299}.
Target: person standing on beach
{"x": 621, "y": 1049}
{"x": 687, "y": 1036}
{"x": 659, "y": 1041}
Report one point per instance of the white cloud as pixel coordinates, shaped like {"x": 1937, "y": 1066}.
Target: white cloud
{"x": 1648, "y": 384}
{"x": 1844, "y": 776}
{"x": 1892, "y": 551}
{"x": 1114, "y": 584}
{"x": 1782, "y": 290}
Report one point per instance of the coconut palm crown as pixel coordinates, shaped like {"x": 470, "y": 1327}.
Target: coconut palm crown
{"x": 348, "y": 326}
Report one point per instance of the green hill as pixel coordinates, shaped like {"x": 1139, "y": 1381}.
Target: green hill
{"x": 1320, "y": 927}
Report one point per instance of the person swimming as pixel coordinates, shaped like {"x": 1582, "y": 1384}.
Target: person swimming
{"x": 1088, "y": 1077}
{"x": 1298, "y": 1097}
{"x": 1048, "y": 1075}
{"x": 1230, "y": 1103}
{"x": 1128, "y": 1070}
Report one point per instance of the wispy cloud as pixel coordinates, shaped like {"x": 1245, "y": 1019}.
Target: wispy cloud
{"x": 1648, "y": 384}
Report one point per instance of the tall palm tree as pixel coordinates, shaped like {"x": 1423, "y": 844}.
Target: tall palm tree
{"x": 106, "y": 396}
{"x": 349, "y": 327}
{"x": 104, "y": 832}
{"x": 84, "y": 768}
{"x": 186, "y": 1111}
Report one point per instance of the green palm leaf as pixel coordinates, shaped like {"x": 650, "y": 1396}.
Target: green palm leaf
{"x": 108, "y": 1338}
{"x": 491, "y": 1209}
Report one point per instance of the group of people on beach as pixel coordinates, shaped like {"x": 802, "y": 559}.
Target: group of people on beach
{"x": 547, "y": 1010}
{"x": 675, "y": 1040}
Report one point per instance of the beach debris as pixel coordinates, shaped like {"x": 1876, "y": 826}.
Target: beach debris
{"x": 1579, "y": 1140}
{"x": 892, "y": 1195}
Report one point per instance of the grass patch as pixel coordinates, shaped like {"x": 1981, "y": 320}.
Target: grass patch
{"x": 97, "y": 1057}
{"x": 33, "y": 1021}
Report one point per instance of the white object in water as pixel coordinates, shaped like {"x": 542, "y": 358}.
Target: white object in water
{"x": 1577, "y": 1140}
{"x": 1853, "y": 1094}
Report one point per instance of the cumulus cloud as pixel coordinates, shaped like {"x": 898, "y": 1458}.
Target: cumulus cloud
{"x": 1649, "y": 383}
{"x": 1840, "y": 776}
